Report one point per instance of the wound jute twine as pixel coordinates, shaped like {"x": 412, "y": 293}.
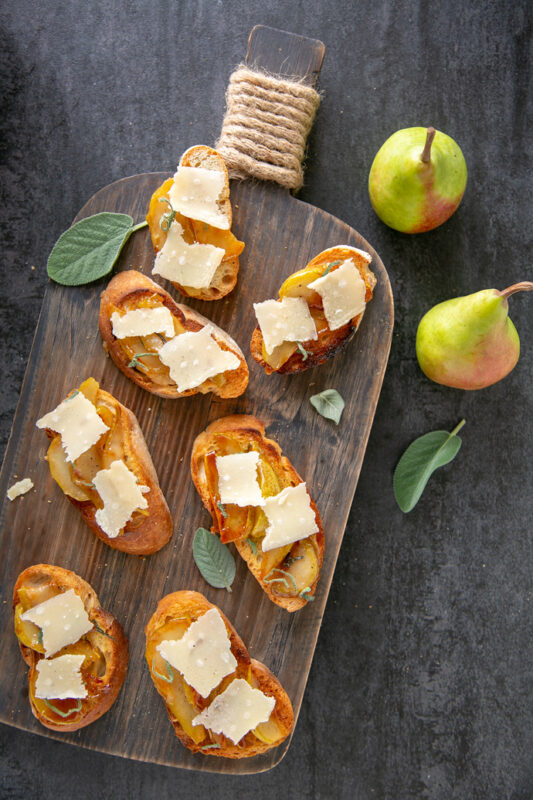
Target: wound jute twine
{"x": 265, "y": 127}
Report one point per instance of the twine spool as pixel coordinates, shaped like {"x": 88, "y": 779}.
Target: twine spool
{"x": 265, "y": 127}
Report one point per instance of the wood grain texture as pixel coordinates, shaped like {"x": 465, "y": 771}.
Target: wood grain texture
{"x": 282, "y": 234}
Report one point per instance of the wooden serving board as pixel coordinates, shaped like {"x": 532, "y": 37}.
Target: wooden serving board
{"x": 282, "y": 234}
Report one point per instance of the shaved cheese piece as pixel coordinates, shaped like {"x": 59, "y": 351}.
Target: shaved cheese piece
{"x": 203, "y": 654}
{"x": 121, "y": 495}
{"x": 290, "y": 517}
{"x": 343, "y": 294}
{"x": 142, "y": 322}
{"x": 191, "y": 265}
{"x": 238, "y": 710}
{"x": 237, "y": 479}
{"x": 287, "y": 320}
{"x": 195, "y": 194}
{"x": 60, "y": 678}
{"x": 62, "y": 619}
{"x": 192, "y": 358}
{"x": 77, "y": 422}
{"x": 19, "y": 488}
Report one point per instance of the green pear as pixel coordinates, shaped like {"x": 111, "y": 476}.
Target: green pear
{"x": 417, "y": 179}
{"x": 470, "y": 342}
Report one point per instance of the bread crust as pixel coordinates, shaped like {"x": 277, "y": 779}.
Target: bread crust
{"x": 225, "y": 277}
{"x": 245, "y": 429}
{"x": 131, "y": 285}
{"x": 194, "y": 605}
{"x": 155, "y": 531}
{"x": 329, "y": 342}
{"x": 112, "y": 643}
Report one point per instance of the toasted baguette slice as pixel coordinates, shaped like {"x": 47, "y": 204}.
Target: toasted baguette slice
{"x": 148, "y": 530}
{"x": 174, "y": 614}
{"x": 225, "y": 277}
{"x": 287, "y": 574}
{"x": 105, "y": 648}
{"x": 288, "y": 357}
{"x": 130, "y": 290}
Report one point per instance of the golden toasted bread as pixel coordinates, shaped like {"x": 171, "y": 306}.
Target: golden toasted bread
{"x": 148, "y": 529}
{"x": 132, "y": 290}
{"x": 105, "y": 648}
{"x": 287, "y": 574}
{"x": 225, "y": 277}
{"x": 289, "y": 357}
{"x": 174, "y": 615}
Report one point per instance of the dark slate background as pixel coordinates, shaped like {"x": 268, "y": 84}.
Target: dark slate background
{"x": 421, "y": 683}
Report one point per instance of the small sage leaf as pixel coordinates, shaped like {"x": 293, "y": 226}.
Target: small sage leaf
{"x": 329, "y": 404}
{"x": 88, "y": 250}
{"x": 419, "y": 462}
{"x": 213, "y": 559}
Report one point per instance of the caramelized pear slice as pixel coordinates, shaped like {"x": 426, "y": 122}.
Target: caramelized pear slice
{"x": 296, "y": 285}
{"x": 268, "y": 732}
{"x": 304, "y": 566}
{"x": 61, "y": 471}
{"x": 27, "y": 633}
{"x": 171, "y": 685}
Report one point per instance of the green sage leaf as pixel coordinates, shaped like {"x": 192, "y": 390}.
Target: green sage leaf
{"x": 419, "y": 462}
{"x": 88, "y": 250}
{"x": 213, "y": 559}
{"x": 329, "y": 404}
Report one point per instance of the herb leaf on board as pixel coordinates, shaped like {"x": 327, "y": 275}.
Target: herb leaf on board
{"x": 329, "y": 404}
{"x": 88, "y": 250}
{"x": 419, "y": 462}
{"x": 213, "y": 559}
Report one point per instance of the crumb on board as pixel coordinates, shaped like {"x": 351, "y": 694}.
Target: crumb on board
{"x": 19, "y": 488}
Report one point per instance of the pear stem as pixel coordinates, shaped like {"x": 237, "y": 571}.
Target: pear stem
{"x": 458, "y": 427}
{"x": 426, "y": 152}
{"x": 523, "y": 286}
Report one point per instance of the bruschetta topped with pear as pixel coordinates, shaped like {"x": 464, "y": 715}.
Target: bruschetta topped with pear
{"x": 318, "y": 310}
{"x": 190, "y": 220}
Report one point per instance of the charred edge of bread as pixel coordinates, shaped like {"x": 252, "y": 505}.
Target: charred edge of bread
{"x": 248, "y": 427}
{"x": 112, "y": 643}
{"x": 317, "y": 351}
{"x": 130, "y": 283}
{"x": 195, "y": 605}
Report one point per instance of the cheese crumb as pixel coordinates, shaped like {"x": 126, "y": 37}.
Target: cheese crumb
{"x": 19, "y": 488}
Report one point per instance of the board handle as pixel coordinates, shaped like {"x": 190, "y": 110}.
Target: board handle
{"x": 285, "y": 54}
{"x": 270, "y": 107}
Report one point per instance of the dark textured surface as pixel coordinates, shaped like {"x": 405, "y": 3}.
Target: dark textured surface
{"x": 421, "y": 684}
